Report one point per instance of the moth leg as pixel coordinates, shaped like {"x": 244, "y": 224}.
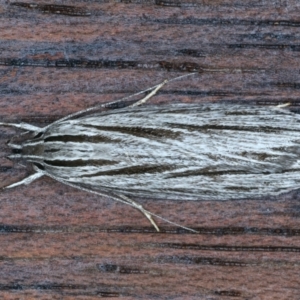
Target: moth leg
{"x": 119, "y": 198}
{"x": 15, "y": 146}
{"x": 282, "y": 108}
{"x": 283, "y": 105}
{"x": 110, "y": 105}
{"x": 130, "y": 103}
{"x": 26, "y": 180}
{"x": 116, "y": 104}
{"x": 141, "y": 209}
{"x": 154, "y": 89}
{"x": 24, "y": 126}
{"x": 145, "y": 99}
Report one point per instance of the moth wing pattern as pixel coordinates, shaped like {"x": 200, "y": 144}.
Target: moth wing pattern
{"x": 181, "y": 152}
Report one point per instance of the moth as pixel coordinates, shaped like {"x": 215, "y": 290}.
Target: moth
{"x": 208, "y": 151}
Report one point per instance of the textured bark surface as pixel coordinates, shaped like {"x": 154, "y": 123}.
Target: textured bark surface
{"x": 61, "y": 243}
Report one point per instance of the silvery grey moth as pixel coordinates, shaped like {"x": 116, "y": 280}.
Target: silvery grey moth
{"x": 207, "y": 151}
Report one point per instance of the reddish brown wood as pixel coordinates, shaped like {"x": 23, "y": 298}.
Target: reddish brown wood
{"x": 58, "y": 242}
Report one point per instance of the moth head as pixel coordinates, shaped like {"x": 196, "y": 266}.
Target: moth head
{"x": 27, "y": 144}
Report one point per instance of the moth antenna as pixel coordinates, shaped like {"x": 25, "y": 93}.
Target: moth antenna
{"x": 144, "y": 211}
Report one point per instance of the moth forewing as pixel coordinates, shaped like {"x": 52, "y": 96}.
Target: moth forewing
{"x": 205, "y": 151}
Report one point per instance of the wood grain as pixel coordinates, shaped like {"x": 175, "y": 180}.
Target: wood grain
{"x": 59, "y": 57}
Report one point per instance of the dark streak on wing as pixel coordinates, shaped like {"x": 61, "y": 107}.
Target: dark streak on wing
{"x": 227, "y": 127}
{"x": 206, "y": 172}
{"x": 80, "y": 139}
{"x": 78, "y": 163}
{"x": 140, "y": 131}
{"x": 133, "y": 170}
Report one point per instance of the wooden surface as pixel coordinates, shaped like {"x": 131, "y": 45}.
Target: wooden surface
{"x": 61, "y": 243}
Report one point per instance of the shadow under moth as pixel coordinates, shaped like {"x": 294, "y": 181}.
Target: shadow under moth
{"x": 207, "y": 151}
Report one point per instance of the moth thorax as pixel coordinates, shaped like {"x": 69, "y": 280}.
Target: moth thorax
{"x": 35, "y": 148}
